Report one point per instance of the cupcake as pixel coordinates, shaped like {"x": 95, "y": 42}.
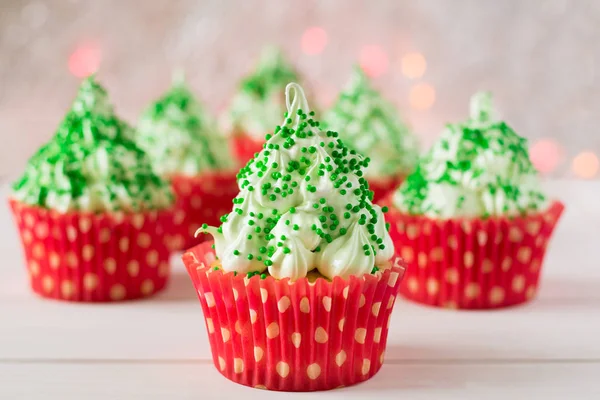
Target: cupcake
{"x": 259, "y": 104}
{"x": 186, "y": 149}
{"x": 298, "y": 291}
{"x": 371, "y": 125}
{"x": 90, "y": 210}
{"x": 472, "y": 221}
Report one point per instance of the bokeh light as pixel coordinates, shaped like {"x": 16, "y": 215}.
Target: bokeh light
{"x": 314, "y": 40}
{"x": 545, "y": 155}
{"x": 421, "y": 96}
{"x": 373, "y": 60}
{"x": 585, "y": 165}
{"x": 413, "y": 65}
{"x": 85, "y": 60}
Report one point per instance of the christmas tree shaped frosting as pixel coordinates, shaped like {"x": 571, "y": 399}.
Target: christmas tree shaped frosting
{"x": 303, "y": 203}
{"x": 259, "y": 104}
{"x": 91, "y": 163}
{"x": 371, "y": 125}
{"x": 478, "y": 168}
{"x": 179, "y": 137}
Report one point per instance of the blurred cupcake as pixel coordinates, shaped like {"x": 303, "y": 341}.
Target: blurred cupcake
{"x": 472, "y": 220}
{"x": 372, "y": 126}
{"x": 186, "y": 149}
{"x": 90, "y": 210}
{"x": 259, "y": 104}
{"x": 298, "y": 291}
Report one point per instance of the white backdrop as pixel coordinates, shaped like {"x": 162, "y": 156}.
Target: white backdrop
{"x": 539, "y": 57}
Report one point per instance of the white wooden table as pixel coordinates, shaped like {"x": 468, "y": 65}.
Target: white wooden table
{"x": 157, "y": 349}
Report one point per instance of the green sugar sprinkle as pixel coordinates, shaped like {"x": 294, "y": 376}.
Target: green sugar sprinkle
{"x": 467, "y": 157}
{"x": 92, "y": 163}
{"x": 299, "y": 156}
{"x": 359, "y": 109}
{"x": 179, "y": 136}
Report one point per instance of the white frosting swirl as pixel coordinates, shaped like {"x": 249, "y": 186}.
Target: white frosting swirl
{"x": 476, "y": 169}
{"x": 180, "y": 137}
{"x": 91, "y": 164}
{"x": 303, "y": 204}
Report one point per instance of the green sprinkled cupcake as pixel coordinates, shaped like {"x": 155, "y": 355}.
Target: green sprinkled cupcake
{"x": 91, "y": 211}
{"x": 371, "y": 125}
{"x": 305, "y": 259}
{"x": 186, "y": 148}
{"x": 473, "y": 219}
{"x": 259, "y": 103}
{"x": 92, "y": 164}
{"x": 303, "y": 204}
{"x": 179, "y": 137}
{"x": 478, "y": 168}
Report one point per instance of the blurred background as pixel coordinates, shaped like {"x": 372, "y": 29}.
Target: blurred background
{"x": 539, "y": 57}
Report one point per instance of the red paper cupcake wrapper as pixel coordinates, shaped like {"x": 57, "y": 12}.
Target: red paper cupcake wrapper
{"x": 94, "y": 257}
{"x": 294, "y": 336}
{"x": 201, "y": 199}
{"x": 472, "y": 263}
{"x": 244, "y": 147}
{"x": 383, "y": 187}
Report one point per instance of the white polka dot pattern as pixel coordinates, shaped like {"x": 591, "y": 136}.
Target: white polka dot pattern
{"x": 210, "y": 326}
{"x": 294, "y": 332}
{"x": 283, "y": 304}
{"x": 340, "y": 358}
{"x": 296, "y": 339}
{"x": 225, "y": 335}
{"x": 472, "y": 264}
{"x": 91, "y": 258}
{"x": 202, "y": 199}
{"x": 273, "y": 330}
{"x": 258, "y": 353}
{"x": 321, "y": 335}
{"x": 360, "y": 334}
{"x": 313, "y": 371}
{"x": 238, "y": 365}
{"x": 283, "y": 369}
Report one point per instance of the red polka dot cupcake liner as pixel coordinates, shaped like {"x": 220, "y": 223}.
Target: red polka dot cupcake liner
{"x": 383, "y": 187}
{"x": 90, "y": 257}
{"x": 472, "y": 263}
{"x": 244, "y": 147}
{"x": 294, "y": 336}
{"x": 200, "y": 199}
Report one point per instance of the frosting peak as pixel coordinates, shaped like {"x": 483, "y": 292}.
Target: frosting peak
{"x": 92, "y": 98}
{"x": 298, "y": 102}
{"x": 478, "y": 168}
{"x": 91, "y": 164}
{"x": 303, "y": 204}
{"x": 371, "y": 125}
{"x": 179, "y": 136}
{"x": 480, "y": 107}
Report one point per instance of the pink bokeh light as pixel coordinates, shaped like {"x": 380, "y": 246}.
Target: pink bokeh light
{"x": 545, "y": 155}
{"x": 586, "y": 165}
{"x": 85, "y": 60}
{"x": 413, "y": 65}
{"x": 421, "y": 96}
{"x": 374, "y": 60}
{"x": 314, "y": 40}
